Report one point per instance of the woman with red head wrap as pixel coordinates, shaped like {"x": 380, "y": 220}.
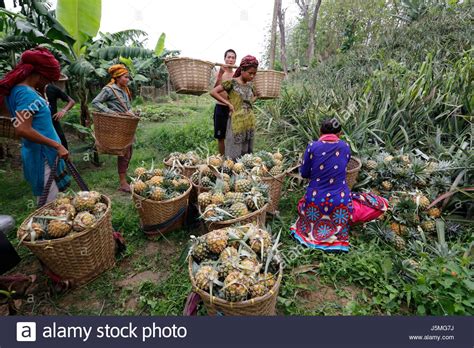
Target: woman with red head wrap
{"x": 116, "y": 98}
{"x": 241, "y": 95}
{"x": 32, "y": 118}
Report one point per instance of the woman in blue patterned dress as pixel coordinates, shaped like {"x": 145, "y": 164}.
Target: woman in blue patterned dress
{"x": 328, "y": 207}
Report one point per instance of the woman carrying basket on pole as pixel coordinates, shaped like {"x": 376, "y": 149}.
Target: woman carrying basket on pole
{"x": 116, "y": 98}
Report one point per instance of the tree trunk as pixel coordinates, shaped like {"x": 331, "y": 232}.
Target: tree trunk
{"x": 281, "y": 23}
{"x": 273, "y": 37}
{"x": 312, "y": 32}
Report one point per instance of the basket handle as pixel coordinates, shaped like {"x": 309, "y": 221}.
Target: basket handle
{"x": 53, "y": 175}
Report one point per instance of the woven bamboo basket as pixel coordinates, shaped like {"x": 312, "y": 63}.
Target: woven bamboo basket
{"x": 189, "y": 76}
{"x": 268, "y": 83}
{"x": 263, "y": 306}
{"x": 153, "y": 213}
{"x": 114, "y": 133}
{"x": 353, "y": 169}
{"x": 80, "y": 256}
{"x": 7, "y": 130}
{"x": 275, "y": 184}
{"x": 257, "y": 217}
{"x": 187, "y": 171}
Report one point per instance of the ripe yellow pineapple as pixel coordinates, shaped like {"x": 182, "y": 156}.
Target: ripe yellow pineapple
{"x": 434, "y": 212}
{"x": 210, "y": 211}
{"x": 59, "y": 228}
{"x": 276, "y": 170}
{"x": 227, "y": 253}
{"x": 277, "y": 156}
{"x": 250, "y": 267}
{"x": 217, "y": 241}
{"x": 157, "y": 172}
{"x": 387, "y": 185}
{"x": 82, "y": 221}
{"x": 199, "y": 250}
{"x": 215, "y": 161}
{"x": 99, "y": 209}
{"x": 258, "y": 239}
{"x": 371, "y": 164}
{"x": 155, "y": 181}
{"x": 138, "y": 187}
{"x": 236, "y": 287}
{"x": 428, "y": 226}
{"x": 257, "y": 290}
{"x": 66, "y": 210}
{"x": 423, "y": 201}
{"x": 399, "y": 229}
{"x": 205, "y": 277}
{"x": 268, "y": 279}
{"x": 158, "y": 194}
{"x": 243, "y": 185}
{"x": 32, "y": 231}
{"x": 217, "y": 198}
{"x": 84, "y": 201}
{"x": 204, "y": 199}
{"x": 239, "y": 167}
{"x": 140, "y": 171}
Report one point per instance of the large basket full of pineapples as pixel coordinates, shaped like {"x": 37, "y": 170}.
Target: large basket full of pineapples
{"x": 72, "y": 235}
{"x": 161, "y": 198}
{"x": 239, "y": 200}
{"x": 236, "y": 270}
{"x": 271, "y": 168}
{"x": 185, "y": 163}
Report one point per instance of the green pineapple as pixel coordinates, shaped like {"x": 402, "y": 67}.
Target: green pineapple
{"x": 199, "y": 250}
{"x": 243, "y": 185}
{"x": 255, "y": 201}
{"x": 236, "y": 287}
{"x": 238, "y": 210}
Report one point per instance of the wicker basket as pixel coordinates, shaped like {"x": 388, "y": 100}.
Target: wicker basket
{"x": 257, "y": 217}
{"x": 187, "y": 171}
{"x": 7, "y": 130}
{"x": 353, "y": 168}
{"x": 189, "y": 76}
{"x": 114, "y": 133}
{"x": 264, "y": 305}
{"x": 80, "y": 256}
{"x": 158, "y": 217}
{"x": 268, "y": 83}
{"x": 275, "y": 184}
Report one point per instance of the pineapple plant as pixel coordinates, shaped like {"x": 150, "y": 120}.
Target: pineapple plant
{"x": 217, "y": 241}
{"x": 236, "y": 287}
{"x": 59, "y": 228}
{"x": 82, "y": 221}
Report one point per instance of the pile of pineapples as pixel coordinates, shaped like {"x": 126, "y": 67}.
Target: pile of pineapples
{"x": 235, "y": 263}
{"x": 159, "y": 184}
{"x": 262, "y": 164}
{"x": 410, "y": 183}
{"x": 71, "y": 212}
{"x": 188, "y": 159}
{"x": 232, "y": 197}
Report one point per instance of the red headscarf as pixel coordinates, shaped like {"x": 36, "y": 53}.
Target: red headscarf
{"x": 39, "y": 60}
{"x": 246, "y": 62}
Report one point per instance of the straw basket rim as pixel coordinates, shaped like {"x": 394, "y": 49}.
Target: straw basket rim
{"x": 184, "y": 194}
{"x": 173, "y": 59}
{"x": 70, "y": 236}
{"x": 219, "y": 301}
{"x": 117, "y": 114}
{"x": 357, "y": 168}
{"x": 237, "y": 220}
{"x": 274, "y": 177}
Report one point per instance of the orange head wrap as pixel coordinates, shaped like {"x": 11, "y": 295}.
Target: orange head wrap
{"x": 116, "y": 71}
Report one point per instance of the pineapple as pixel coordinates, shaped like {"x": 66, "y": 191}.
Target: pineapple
{"x": 428, "y": 226}
{"x": 205, "y": 277}
{"x": 199, "y": 250}
{"x": 276, "y": 170}
{"x": 278, "y": 156}
{"x": 217, "y": 241}
{"x": 32, "y": 231}
{"x": 267, "y": 279}
{"x": 215, "y": 161}
{"x": 181, "y": 185}
{"x": 217, "y": 198}
{"x": 206, "y": 181}
{"x": 393, "y": 238}
{"x": 228, "y": 265}
{"x": 399, "y": 229}
{"x": 371, "y": 165}
{"x": 140, "y": 171}
{"x": 227, "y": 253}
{"x": 210, "y": 212}
{"x": 138, "y": 187}
{"x": 204, "y": 199}
{"x": 157, "y": 172}
{"x": 236, "y": 287}
{"x": 248, "y": 160}
{"x": 388, "y": 159}
{"x": 84, "y": 201}
{"x": 62, "y": 198}
{"x": 434, "y": 212}
{"x": 257, "y": 290}
{"x": 410, "y": 263}
{"x": 387, "y": 185}
{"x": 255, "y": 200}
{"x": 250, "y": 267}
{"x": 243, "y": 185}
{"x": 99, "y": 209}
{"x": 59, "y": 228}
{"x": 422, "y": 201}
{"x": 226, "y": 177}
{"x": 227, "y": 166}
{"x": 405, "y": 159}
{"x": 157, "y": 194}
{"x": 239, "y": 168}
{"x": 218, "y": 195}
{"x": 66, "y": 210}
{"x": 238, "y": 209}
{"x": 95, "y": 195}
{"x": 82, "y": 221}
{"x": 258, "y": 239}
{"x": 155, "y": 181}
